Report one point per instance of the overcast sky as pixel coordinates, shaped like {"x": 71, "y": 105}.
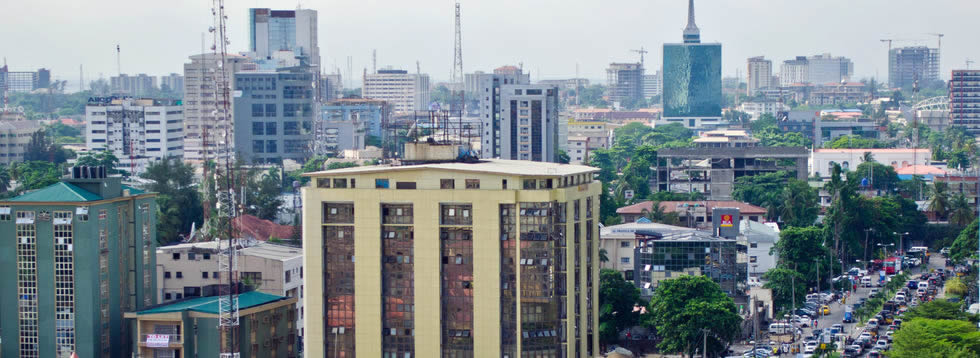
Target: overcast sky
{"x": 548, "y": 36}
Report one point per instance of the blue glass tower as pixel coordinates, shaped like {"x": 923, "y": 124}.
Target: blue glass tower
{"x": 692, "y": 79}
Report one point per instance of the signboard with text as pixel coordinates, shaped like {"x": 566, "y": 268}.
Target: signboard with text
{"x": 158, "y": 340}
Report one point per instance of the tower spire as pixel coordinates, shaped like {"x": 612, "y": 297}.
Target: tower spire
{"x": 691, "y": 32}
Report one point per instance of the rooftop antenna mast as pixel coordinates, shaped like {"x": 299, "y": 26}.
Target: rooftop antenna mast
{"x": 459, "y": 95}
{"x": 118, "y": 62}
{"x": 225, "y": 193}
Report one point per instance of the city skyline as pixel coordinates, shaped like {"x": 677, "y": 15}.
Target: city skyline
{"x": 801, "y": 29}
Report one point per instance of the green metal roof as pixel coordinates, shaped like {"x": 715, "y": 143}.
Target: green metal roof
{"x": 60, "y": 191}
{"x": 133, "y": 190}
{"x": 210, "y": 304}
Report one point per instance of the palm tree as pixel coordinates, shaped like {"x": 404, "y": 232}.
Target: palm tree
{"x": 657, "y": 214}
{"x": 603, "y": 256}
{"x": 939, "y": 199}
{"x": 868, "y": 157}
{"x": 960, "y": 212}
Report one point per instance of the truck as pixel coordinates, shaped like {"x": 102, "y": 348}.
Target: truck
{"x": 848, "y": 314}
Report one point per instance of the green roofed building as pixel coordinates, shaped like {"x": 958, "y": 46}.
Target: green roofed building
{"x": 76, "y": 256}
{"x": 189, "y": 328}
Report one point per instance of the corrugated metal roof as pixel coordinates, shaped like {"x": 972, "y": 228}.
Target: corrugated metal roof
{"x": 60, "y": 191}
{"x": 210, "y": 304}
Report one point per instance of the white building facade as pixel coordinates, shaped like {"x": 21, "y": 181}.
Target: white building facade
{"x": 137, "y": 131}
{"x": 405, "y": 92}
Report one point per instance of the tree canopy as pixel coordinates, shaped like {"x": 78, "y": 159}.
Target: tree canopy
{"x": 683, "y": 309}
{"x": 617, "y": 298}
{"x": 178, "y": 199}
{"x": 924, "y": 337}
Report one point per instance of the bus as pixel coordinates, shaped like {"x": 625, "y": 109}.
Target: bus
{"x": 892, "y": 265}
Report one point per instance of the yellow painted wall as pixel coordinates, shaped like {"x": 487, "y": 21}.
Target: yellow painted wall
{"x": 426, "y": 200}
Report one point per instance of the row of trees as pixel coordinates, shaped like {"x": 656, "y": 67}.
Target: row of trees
{"x": 937, "y": 329}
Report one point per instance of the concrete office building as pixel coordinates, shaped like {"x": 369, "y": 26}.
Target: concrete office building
{"x": 137, "y": 131}
{"x": 624, "y": 82}
{"x": 274, "y": 115}
{"x": 24, "y": 81}
{"x": 653, "y": 85}
{"x": 331, "y": 87}
{"x": 757, "y": 109}
{"x": 822, "y": 160}
{"x": 139, "y": 85}
{"x": 818, "y": 69}
{"x": 488, "y": 92}
{"x": 405, "y": 92}
{"x": 760, "y": 74}
{"x": 759, "y": 239}
{"x": 692, "y": 214}
{"x": 906, "y": 65}
{"x": 83, "y": 253}
{"x": 191, "y": 270}
{"x": 173, "y": 82}
{"x": 529, "y": 123}
{"x": 346, "y": 123}
{"x": 585, "y": 137}
{"x": 712, "y": 171}
{"x": 190, "y": 328}
{"x": 692, "y": 80}
{"x": 271, "y": 31}
{"x": 964, "y": 100}
{"x": 201, "y": 109}
{"x": 14, "y": 137}
{"x": 819, "y": 130}
{"x": 496, "y": 258}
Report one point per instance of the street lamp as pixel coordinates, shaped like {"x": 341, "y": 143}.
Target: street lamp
{"x": 901, "y": 241}
{"x": 883, "y": 246}
{"x": 866, "y": 231}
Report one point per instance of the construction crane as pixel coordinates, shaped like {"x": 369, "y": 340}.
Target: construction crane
{"x": 939, "y": 38}
{"x": 642, "y": 52}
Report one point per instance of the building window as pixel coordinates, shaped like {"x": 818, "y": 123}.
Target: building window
{"x": 338, "y": 213}
{"x": 447, "y": 184}
{"x": 270, "y": 110}
{"x": 258, "y": 146}
{"x": 214, "y": 275}
{"x": 167, "y": 296}
{"x": 340, "y": 183}
{"x": 253, "y": 277}
{"x": 204, "y": 274}
{"x": 166, "y": 274}
{"x": 258, "y": 110}
{"x": 624, "y": 260}
{"x": 290, "y": 128}
{"x": 207, "y": 256}
{"x": 176, "y": 256}
{"x": 180, "y": 274}
{"x": 381, "y": 183}
{"x": 754, "y": 245}
{"x": 191, "y": 256}
{"x": 503, "y": 184}
{"x": 405, "y": 185}
{"x": 270, "y": 128}
{"x": 530, "y": 184}
{"x": 271, "y": 147}
{"x": 4, "y": 213}
{"x": 472, "y": 183}
{"x": 753, "y": 259}
{"x": 624, "y": 244}
{"x": 456, "y": 214}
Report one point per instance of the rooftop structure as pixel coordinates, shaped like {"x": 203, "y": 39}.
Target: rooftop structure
{"x": 712, "y": 171}
{"x": 271, "y": 31}
{"x": 823, "y": 160}
{"x": 692, "y": 213}
{"x": 725, "y": 138}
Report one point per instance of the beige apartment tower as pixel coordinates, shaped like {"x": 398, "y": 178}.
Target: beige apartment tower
{"x": 494, "y": 258}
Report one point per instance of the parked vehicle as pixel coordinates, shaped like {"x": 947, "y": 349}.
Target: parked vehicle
{"x": 848, "y": 314}
{"x": 780, "y": 328}
{"x": 881, "y": 345}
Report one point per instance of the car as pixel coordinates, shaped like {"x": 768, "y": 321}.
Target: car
{"x": 892, "y": 328}
{"x": 802, "y": 321}
{"x": 811, "y": 343}
{"x": 881, "y": 345}
{"x": 872, "y": 323}
{"x": 865, "y": 335}
{"x": 809, "y": 350}
{"x": 874, "y": 291}
{"x": 825, "y": 310}
{"x": 875, "y": 354}
{"x": 852, "y": 351}
{"x": 888, "y": 336}
{"x": 837, "y": 327}
{"x": 944, "y": 251}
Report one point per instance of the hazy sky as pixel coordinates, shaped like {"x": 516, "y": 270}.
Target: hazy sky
{"x": 548, "y": 36}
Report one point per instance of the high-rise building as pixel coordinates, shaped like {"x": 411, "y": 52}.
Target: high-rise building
{"x": 692, "y": 79}
{"x": 760, "y": 74}
{"x": 653, "y": 85}
{"x": 331, "y": 87}
{"x": 964, "y": 104}
{"x": 406, "y": 92}
{"x": 271, "y": 31}
{"x": 625, "y": 82}
{"x": 520, "y": 120}
{"x": 201, "y": 109}
{"x": 274, "y": 115}
{"x": 24, "y": 81}
{"x": 137, "y": 131}
{"x": 817, "y": 70}
{"x": 496, "y": 258}
{"x": 906, "y": 65}
{"x": 173, "y": 83}
{"x": 140, "y": 85}
{"x": 82, "y": 250}
{"x": 488, "y": 91}
{"x": 346, "y": 123}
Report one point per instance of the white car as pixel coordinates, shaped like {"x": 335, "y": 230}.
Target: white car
{"x": 865, "y": 335}
{"x": 881, "y": 345}
{"x": 809, "y": 349}
{"x": 802, "y": 321}
{"x": 811, "y": 345}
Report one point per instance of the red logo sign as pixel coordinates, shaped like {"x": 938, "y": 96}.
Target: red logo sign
{"x": 726, "y": 220}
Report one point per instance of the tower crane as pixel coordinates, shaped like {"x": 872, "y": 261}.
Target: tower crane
{"x": 939, "y": 38}
{"x": 642, "y": 52}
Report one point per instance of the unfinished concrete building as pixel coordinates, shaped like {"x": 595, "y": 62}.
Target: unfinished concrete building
{"x": 713, "y": 171}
